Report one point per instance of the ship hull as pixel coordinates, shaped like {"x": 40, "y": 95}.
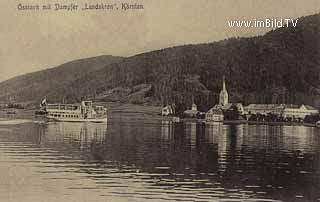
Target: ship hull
{"x": 100, "y": 120}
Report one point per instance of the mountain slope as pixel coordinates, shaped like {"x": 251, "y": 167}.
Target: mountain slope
{"x": 283, "y": 66}
{"x": 51, "y": 82}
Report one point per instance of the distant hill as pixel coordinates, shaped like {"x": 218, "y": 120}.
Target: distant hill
{"x": 52, "y": 82}
{"x": 283, "y": 66}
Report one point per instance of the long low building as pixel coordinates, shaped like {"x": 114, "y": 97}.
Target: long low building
{"x": 284, "y": 110}
{"x": 262, "y": 109}
{"x": 296, "y": 111}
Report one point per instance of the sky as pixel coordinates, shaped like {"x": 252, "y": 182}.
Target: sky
{"x": 36, "y": 40}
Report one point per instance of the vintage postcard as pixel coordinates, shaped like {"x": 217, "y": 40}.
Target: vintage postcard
{"x": 159, "y": 100}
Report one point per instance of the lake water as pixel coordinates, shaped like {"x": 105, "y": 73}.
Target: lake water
{"x": 156, "y": 160}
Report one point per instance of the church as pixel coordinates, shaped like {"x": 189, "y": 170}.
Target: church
{"x": 216, "y": 112}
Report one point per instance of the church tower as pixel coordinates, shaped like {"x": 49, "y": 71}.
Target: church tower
{"x": 223, "y": 97}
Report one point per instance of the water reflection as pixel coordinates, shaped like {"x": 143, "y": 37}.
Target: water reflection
{"x": 81, "y": 134}
{"x": 166, "y": 130}
{"x": 162, "y": 161}
{"x": 191, "y": 133}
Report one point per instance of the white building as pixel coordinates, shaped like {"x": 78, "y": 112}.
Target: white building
{"x": 283, "y": 110}
{"x": 193, "y": 112}
{"x": 262, "y": 109}
{"x": 298, "y": 111}
{"x": 214, "y": 115}
{"x": 166, "y": 111}
{"x": 194, "y": 107}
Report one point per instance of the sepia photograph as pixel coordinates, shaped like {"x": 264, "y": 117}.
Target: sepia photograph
{"x": 160, "y": 101}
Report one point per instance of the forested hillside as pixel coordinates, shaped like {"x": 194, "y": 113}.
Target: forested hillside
{"x": 53, "y": 82}
{"x": 283, "y": 66}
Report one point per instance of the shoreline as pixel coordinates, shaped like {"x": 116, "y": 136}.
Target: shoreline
{"x": 147, "y": 112}
{"x": 234, "y": 122}
{"x": 186, "y": 120}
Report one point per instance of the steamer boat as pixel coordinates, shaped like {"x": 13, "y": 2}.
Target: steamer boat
{"x": 86, "y": 111}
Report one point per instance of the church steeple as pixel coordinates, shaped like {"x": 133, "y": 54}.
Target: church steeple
{"x": 223, "y": 97}
{"x": 224, "y": 84}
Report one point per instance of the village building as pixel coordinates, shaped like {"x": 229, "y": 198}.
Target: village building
{"x": 214, "y": 115}
{"x": 262, "y": 109}
{"x": 282, "y": 110}
{"x": 298, "y": 111}
{"x": 216, "y": 112}
{"x": 230, "y": 106}
{"x": 239, "y": 107}
{"x": 167, "y": 110}
{"x": 193, "y": 112}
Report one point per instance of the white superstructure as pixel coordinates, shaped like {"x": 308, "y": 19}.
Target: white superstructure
{"x": 86, "y": 111}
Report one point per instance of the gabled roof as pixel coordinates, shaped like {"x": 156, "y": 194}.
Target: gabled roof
{"x": 215, "y": 111}
{"x": 310, "y": 107}
{"x": 277, "y": 106}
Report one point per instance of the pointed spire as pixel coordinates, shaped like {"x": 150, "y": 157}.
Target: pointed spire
{"x": 224, "y": 84}
{"x": 223, "y": 97}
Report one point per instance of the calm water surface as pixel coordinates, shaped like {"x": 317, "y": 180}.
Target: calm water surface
{"x": 154, "y": 160}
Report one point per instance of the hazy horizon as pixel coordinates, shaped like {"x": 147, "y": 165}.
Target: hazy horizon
{"x": 33, "y": 41}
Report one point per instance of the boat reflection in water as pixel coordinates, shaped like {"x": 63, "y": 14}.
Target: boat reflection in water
{"x": 81, "y": 135}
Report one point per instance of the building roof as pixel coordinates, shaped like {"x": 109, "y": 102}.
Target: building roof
{"x": 227, "y": 106}
{"x": 261, "y": 106}
{"x": 189, "y": 111}
{"x": 223, "y": 107}
{"x": 215, "y": 111}
{"x": 310, "y": 107}
{"x": 277, "y": 106}
{"x": 291, "y": 106}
